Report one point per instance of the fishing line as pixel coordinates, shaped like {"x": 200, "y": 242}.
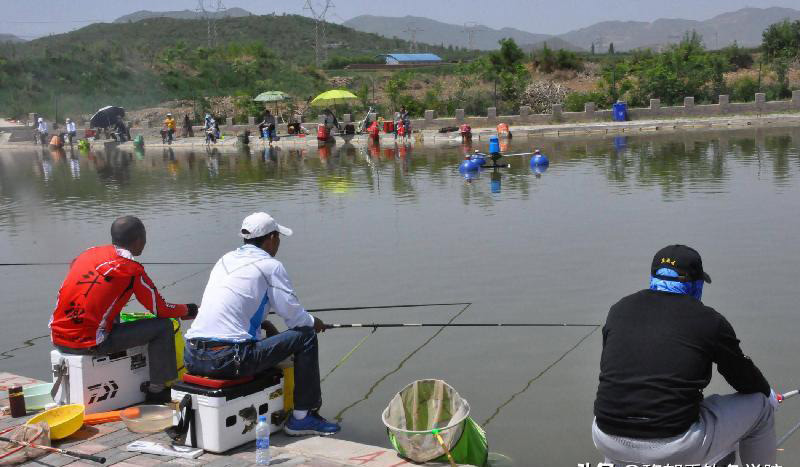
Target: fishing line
{"x": 380, "y": 307}
{"x": 63, "y": 263}
{"x": 402, "y": 363}
{"x": 535, "y": 378}
{"x": 347, "y": 355}
{"x": 6, "y": 354}
{"x": 464, "y": 325}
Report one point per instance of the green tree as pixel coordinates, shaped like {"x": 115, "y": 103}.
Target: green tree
{"x": 394, "y": 89}
{"x": 782, "y": 40}
{"x": 611, "y": 48}
{"x": 505, "y": 68}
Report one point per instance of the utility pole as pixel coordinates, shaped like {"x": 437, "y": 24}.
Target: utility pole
{"x": 201, "y": 8}
{"x": 413, "y": 32}
{"x": 318, "y": 13}
{"x": 220, "y": 7}
{"x": 471, "y": 29}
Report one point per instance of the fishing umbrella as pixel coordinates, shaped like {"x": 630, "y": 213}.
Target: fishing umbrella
{"x": 272, "y": 96}
{"x": 106, "y": 116}
{"x": 333, "y": 97}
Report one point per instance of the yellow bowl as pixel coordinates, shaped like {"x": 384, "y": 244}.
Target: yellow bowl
{"x": 63, "y": 421}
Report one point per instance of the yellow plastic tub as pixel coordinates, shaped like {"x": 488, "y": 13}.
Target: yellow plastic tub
{"x": 63, "y": 421}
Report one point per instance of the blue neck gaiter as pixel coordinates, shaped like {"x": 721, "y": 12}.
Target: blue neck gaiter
{"x": 694, "y": 288}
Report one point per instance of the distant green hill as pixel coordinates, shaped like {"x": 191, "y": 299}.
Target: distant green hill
{"x": 183, "y": 14}
{"x": 141, "y": 63}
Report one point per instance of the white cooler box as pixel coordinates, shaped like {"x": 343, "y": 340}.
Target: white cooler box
{"x": 101, "y": 383}
{"x": 224, "y": 418}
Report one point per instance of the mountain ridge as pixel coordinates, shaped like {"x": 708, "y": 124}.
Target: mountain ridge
{"x": 437, "y": 32}
{"x": 181, "y": 14}
{"x": 744, "y": 26}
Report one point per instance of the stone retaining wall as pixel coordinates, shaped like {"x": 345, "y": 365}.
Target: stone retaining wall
{"x": 525, "y": 117}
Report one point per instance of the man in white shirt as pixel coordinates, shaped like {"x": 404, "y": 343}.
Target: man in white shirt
{"x": 41, "y": 130}
{"x": 224, "y": 340}
{"x": 72, "y": 131}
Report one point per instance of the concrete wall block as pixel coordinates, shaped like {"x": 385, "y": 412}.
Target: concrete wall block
{"x": 491, "y": 113}
{"x": 655, "y": 104}
{"x": 796, "y": 99}
{"x": 724, "y": 99}
{"x": 589, "y": 107}
{"x": 251, "y": 121}
{"x": 347, "y": 118}
{"x": 430, "y": 115}
{"x": 761, "y": 98}
{"x": 525, "y": 111}
{"x": 558, "y": 111}
{"x": 459, "y": 115}
{"x": 320, "y": 118}
{"x": 688, "y": 101}
{"x": 229, "y": 121}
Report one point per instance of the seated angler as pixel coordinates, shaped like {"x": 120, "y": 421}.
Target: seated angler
{"x": 659, "y": 347}
{"x": 224, "y": 341}
{"x": 98, "y": 285}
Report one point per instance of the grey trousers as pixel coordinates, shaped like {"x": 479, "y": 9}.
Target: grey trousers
{"x": 156, "y": 333}
{"x": 727, "y": 423}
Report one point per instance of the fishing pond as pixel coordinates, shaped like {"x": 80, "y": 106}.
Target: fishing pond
{"x": 387, "y": 226}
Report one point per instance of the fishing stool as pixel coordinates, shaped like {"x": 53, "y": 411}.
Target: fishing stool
{"x": 218, "y": 415}
{"x": 101, "y": 382}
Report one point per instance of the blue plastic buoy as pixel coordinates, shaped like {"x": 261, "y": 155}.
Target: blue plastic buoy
{"x": 468, "y": 165}
{"x": 539, "y": 160}
{"x": 494, "y": 145}
{"x": 479, "y": 159}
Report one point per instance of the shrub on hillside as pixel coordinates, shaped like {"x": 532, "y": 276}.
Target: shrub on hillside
{"x": 542, "y": 95}
{"x": 576, "y": 101}
{"x": 744, "y": 89}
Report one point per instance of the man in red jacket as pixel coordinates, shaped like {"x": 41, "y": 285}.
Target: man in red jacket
{"x": 98, "y": 285}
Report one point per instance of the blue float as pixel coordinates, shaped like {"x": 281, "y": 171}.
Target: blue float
{"x": 494, "y": 145}
{"x": 469, "y": 165}
{"x": 539, "y": 160}
{"x": 479, "y": 159}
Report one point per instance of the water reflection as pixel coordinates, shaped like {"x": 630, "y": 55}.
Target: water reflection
{"x": 674, "y": 164}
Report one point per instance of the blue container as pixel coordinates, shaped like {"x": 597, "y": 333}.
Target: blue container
{"x": 539, "y": 160}
{"x": 621, "y": 112}
{"x": 494, "y": 145}
{"x": 479, "y": 159}
{"x": 468, "y": 166}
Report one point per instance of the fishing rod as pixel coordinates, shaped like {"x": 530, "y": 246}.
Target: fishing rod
{"x": 381, "y": 307}
{"x": 460, "y": 325}
{"x": 77, "y": 455}
{"x": 781, "y": 398}
{"x": 154, "y": 263}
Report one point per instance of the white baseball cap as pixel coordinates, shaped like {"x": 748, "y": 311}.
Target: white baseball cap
{"x": 259, "y": 224}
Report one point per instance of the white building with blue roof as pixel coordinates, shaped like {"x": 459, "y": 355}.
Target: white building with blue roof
{"x": 412, "y": 59}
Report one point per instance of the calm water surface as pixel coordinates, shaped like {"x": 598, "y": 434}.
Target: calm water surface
{"x": 399, "y": 226}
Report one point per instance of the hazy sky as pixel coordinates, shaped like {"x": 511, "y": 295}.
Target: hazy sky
{"x": 32, "y": 19}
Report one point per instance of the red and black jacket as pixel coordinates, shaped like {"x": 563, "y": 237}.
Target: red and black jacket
{"x": 99, "y": 284}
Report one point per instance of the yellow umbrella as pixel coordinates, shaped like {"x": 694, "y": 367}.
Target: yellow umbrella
{"x": 333, "y": 97}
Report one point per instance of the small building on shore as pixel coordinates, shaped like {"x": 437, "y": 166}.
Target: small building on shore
{"x": 412, "y": 59}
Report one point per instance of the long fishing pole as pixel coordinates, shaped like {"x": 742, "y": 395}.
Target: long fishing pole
{"x": 382, "y": 307}
{"x": 62, "y": 263}
{"x": 460, "y": 325}
{"x": 781, "y": 399}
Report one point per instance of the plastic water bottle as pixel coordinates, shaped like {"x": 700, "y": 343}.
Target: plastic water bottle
{"x": 262, "y": 441}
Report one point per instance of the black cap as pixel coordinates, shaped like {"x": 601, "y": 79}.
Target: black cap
{"x": 681, "y": 259}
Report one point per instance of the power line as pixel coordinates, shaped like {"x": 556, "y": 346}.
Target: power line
{"x": 320, "y": 40}
{"x": 471, "y": 29}
{"x": 413, "y": 32}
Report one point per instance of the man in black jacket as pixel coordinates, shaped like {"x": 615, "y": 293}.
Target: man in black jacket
{"x": 658, "y": 349}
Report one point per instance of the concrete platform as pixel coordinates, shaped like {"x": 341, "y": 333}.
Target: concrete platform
{"x": 110, "y": 439}
{"x": 432, "y": 138}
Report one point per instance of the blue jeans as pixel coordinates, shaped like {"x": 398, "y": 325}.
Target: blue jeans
{"x": 250, "y": 358}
